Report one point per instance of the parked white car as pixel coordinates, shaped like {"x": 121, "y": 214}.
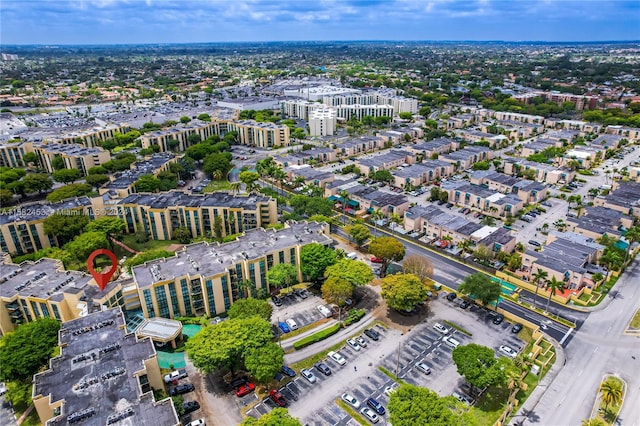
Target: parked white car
{"x": 354, "y": 345}
{"x": 337, "y": 357}
{"x": 351, "y": 400}
{"x": 511, "y": 353}
{"x": 293, "y": 325}
{"x": 440, "y": 328}
{"x": 326, "y": 312}
{"x": 308, "y": 375}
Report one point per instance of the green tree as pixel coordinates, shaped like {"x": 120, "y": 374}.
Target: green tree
{"x": 480, "y": 286}
{"x": 217, "y": 162}
{"x": 420, "y": 266}
{"x": 147, "y": 183}
{"x": 488, "y": 221}
{"x": 69, "y": 191}
{"x": 479, "y": 366}
{"x": 30, "y": 158}
{"x": 226, "y": 345}
{"x": 388, "y": 250}
{"x": 249, "y": 179}
{"x": 246, "y": 308}
{"x": 611, "y": 392}
{"x": 5, "y": 196}
{"x": 356, "y": 272}
{"x": 26, "y": 350}
{"x": 336, "y": 291}
{"x": 539, "y": 277}
{"x": 382, "y": 176}
{"x": 276, "y": 417}
{"x": 632, "y": 236}
{"x": 96, "y": 181}
{"x": 184, "y": 119}
{"x": 403, "y": 292}
{"x": 515, "y": 262}
{"x": 66, "y": 175}
{"x": 483, "y": 253}
{"x": 554, "y": 286}
{"x": 481, "y": 165}
{"x": 315, "y": 258}
{"x": 359, "y": 233}
{"x": 112, "y": 227}
{"x": 264, "y": 362}
{"x": 37, "y": 182}
{"x": 57, "y": 163}
{"x": 84, "y": 244}
{"x": 596, "y": 421}
{"x": 183, "y": 235}
{"x": 282, "y": 274}
{"x": 65, "y": 227}
{"x": 146, "y": 256}
{"x": 97, "y": 170}
{"x": 405, "y": 115}
{"x": 414, "y": 405}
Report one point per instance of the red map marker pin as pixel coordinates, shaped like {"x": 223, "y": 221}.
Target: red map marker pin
{"x": 102, "y": 278}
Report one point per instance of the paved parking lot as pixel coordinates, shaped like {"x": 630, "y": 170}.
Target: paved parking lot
{"x": 399, "y": 353}
{"x": 302, "y": 311}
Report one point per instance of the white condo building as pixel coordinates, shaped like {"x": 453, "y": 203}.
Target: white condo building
{"x": 322, "y": 121}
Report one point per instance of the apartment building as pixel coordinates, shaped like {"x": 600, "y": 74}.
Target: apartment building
{"x": 123, "y": 183}
{"x": 345, "y": 112}
{"x": 179, "y": 132}
{"x": 630, "y": 133}
{"x": 296, "y": 108}
{"x": 546, "y": 173}
{"x": 400, "y": 135}
{"x": 205, "y": 278}
{"x": 22, "y": 227}
{"x": 11, "y": 154}
{"x": 421, "y": 173}
{"x": 323, "y": 121}
{"x": 581, "y": 102}
{"x": 528, "y": 191}
{"x": 625, "y": 198}
{"x": 434, "y": 147}
{"x": 74, "y": 156}
{"x": 517, "y": 117}
{"x": 475, "y": 136}
{"x": 354, "y": 147}
{"x": 254, "y": 133}
{"x": 308, "y": 175}
{"x": 595, "y": 222}
{"x": 216, "y": 214}
{"x": 319, "y": 155}
{"x": 103, "y": 375}
{"x": 467, "y": 157}
{"x": 490, "y": 202}
{"x": 89, "y": 138}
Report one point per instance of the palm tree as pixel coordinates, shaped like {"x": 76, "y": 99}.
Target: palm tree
{"x": 344, "y": 196}
{"x": 596, "y": 421}
{"x": 464, "y": 245}
{"x": 632, "y": 236}
{"x": 235, "y": 187}
{"x": 246, "y": 288}
{"x": 395, "y": 219}
{"x": 553, "y": 285}
{"x": 611, "y": 260}
{"x": 376, "y": 215}
{"x": 488, "y": 221}
{"x": 539, "y": 276}
{"x": 217, "y": 174}
{"x": 611, "y": 393}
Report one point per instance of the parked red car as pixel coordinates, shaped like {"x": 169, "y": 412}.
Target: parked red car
{"x": 245, "y": 389}
{"x": 278, "y": 398}
{"x": 376, "y": 259}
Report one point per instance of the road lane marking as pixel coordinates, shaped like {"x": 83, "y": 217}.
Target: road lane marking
{"x": 596, "y": 349}
{"x": 566, "y": 335}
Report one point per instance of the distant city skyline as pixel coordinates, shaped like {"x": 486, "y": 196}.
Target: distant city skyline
{"x": 193, "y": 21}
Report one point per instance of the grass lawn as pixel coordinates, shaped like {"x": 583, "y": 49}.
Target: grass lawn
{"x": 610, "y": 414}
{"x": 635, "y": 321}
{"x": 457, "y": 327}
{"x": 130, "y": 240}
{"x": 217, "y": 185}
{"x": 32, "y": 419}
{"x": 490, "y": 405}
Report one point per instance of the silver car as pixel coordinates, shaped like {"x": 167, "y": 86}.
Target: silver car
{"x": 308, "y": 375}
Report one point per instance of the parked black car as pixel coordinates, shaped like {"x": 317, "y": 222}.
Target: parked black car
{"x": 498, "y": 319}
{"x": 181, "y": 389}
{"x": 451, "y": 297}
{"x": 323, "y": 368}
{"x": 288, "y": 371}
{"x": 372, "y": 334}
{"x": 276, "y": 300}
{"x": 516, "y": 328}
{"x": 465, "y": 304}
{"x": 190, "y": 406}
{"x": 239, "y": 382}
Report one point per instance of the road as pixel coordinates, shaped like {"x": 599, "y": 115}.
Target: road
{"x": 600, "y": 348}
{"x": 451, "y": 274}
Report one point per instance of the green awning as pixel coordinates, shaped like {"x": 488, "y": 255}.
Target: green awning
{"x": 334, "y": 198}
{"x": 353, "y": 203}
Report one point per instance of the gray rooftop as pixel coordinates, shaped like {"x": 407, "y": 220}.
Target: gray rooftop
{"x": 95, "y": 374}
{"x": 565, "y": 255}
{"x": 212, "y": 259}
{"x": 178, "y": 198}
{"x": 41, "y": 210}
{"x": 126, "y": 178}
{"x": 626, "y": 195}
{"x": 600, "y": 220}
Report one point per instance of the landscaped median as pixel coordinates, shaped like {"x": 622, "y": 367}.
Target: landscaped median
{"x": 609, "y": 400}
{"x": 316, "y": 337}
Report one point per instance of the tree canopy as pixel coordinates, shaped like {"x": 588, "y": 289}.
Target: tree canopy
{"x": 419, "y": 266}
{"x": 360, "y": 233}
{"x": 65, "y": 227}
{"x": 337, "y": 290}
{"x": 66, "y": 175}
{"x": 354, "y": 271}
{"x": 276, "y": 417}
{"x": 109, "y": 225}
{"x": 69, "y": 191}
{"x": 480, "y": 286}
{"x": 479, "y": 365}
{"x": 265, "y": 361}
{"x": 228, "y": 343}
{"x": 414, "y": 405}
{"x": 387, "y": 249}
{"x": 245, "y": 308}
{"x": 315, "y": 258}
{"x": 84, "y": 244}
{"x": 282, "y": 274}
{"x": 26, "y": 350}
{"x": 403, "y": 292}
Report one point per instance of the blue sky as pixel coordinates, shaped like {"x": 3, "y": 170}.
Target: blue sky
{"x": 183, "y": 21}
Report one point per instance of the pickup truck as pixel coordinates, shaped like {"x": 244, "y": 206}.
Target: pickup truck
{"x": 175, "y": 375}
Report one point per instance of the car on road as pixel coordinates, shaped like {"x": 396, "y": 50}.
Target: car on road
{"x": 377, "y": 407}
{"x": 375, "y": 259}
{"x": 451, "y": 297}
{"x": 293, "y": 325}
{"x": 276, "y": 300}
{"x": 372, "y": 334}
{"x": 370, "y": 415}
{"x": 498, "y": 319}
{"x": 361, "y": 341}
{"x": 288, "y": 371}
{"x": 311, "y": 378}
{"x": 199, "y": 422}
{"x": 423, "y": 367}
{"x": 516, "y": 328}
{"x": 245, "y": 389}
{"x": 351, "y": 400}
{"x": 354, "y": 344}
{"x": 284, "y": 327}
{"x": 440, "y": 328}
{"x": 278, "y": 398}
{"x": 323, "y": 368}
{"x": 508, "y": 351}
{"x": 337, "y": 357}
{"x": 190, "y": 406}
{"x": 326, "y": 312}
{"x": 181, "y": 389}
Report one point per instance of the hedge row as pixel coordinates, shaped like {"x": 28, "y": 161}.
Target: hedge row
{"x": 316, "y": 337}
{"x": 355, "y": 315}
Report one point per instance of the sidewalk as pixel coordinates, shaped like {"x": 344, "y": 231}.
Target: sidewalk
{"x": 530, "y": 404}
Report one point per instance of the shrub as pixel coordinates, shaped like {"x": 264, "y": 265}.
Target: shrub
{"x": 355, "y": 315}
{"x": 320, "y": 335}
